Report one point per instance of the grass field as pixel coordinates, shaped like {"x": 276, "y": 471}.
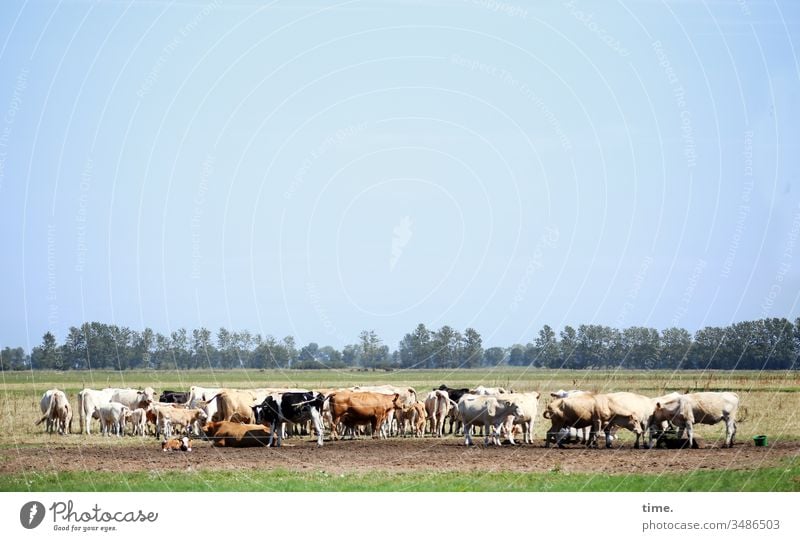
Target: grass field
{"x": 769, "y": 405}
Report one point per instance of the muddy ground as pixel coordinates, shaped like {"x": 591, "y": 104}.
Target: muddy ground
{"x": 396, "y": 455}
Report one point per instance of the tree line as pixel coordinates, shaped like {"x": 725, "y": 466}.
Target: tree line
{"x": 764, "y": 344}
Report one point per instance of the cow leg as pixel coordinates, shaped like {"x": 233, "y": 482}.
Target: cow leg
{"x": 730, "y": 428}
{"x": 316, "y": 419}
{"x": 467, "y": 435}
{"x": 690, "y": 433}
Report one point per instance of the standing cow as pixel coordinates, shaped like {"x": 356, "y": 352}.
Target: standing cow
{"x": 292, "y": 408}
{"x": 354, "y": 408}
{"x": 56, "y": 411}
{"x": 709, "y": 408}
{"x": 488, "y": 411}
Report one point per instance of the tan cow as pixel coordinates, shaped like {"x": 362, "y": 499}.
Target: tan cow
{"x": 642, "y": 405}
{"x": 138, "y": 421}
{"x": 529, "y": 405}
{"x": 592, "y": 410}
{"x": 417, "y": 418}
{"x": 57, "y": 412}
{"x": 354, "y": 408}
{"x": 227, "y": 434}
{"x": 707, "y": 408}
{"x": 234, "y": 406}
{"x": 437, "y": 407}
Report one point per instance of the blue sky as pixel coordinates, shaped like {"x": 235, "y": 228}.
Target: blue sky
{"x": 316, "y": 169}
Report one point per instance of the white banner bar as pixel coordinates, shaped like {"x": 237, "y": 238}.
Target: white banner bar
{"x": 356, "y": 516}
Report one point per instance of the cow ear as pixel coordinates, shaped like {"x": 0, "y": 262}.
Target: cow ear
{"x": 658, "y": 405}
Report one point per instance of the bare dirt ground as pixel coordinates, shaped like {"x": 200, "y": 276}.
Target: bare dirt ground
{"x": 396, "y": 455}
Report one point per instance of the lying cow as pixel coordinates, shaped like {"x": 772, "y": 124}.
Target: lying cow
{"x": 112, "y": 418}
{"x": 709, "y": 408}
{"x": 354, "y": 408}
{"x": 589, "y": 410}
{"x": 56, "y": 411}
{"x": 176, "y": 444}
{"x": 292, "y": 408}
{"x": 488, "y": 411}
{"x": 227, "y": 434}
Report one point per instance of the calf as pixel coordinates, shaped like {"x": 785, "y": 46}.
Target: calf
{"x": 112, "y": 417}
{"x": 176, "y": 444}
{"x": 138, "y": 421}
{"x": 169, "y": 417}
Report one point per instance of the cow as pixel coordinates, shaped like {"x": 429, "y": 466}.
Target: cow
{"x": 174, "y": 397}
{"x": 489, "y": 411}
{"x": 408, "y": 397}
{"x": 137, "y": 420}
{"x": 176, "y": 444}
{"x": 56, "y": 411}
{"x": 112, "y": 417}
{"x": 89, "y": 400}
{"x": 200, "y": 394}
{"x": 227, "y": 434}
{"x": 709, "y": 408}
{"x": 454, "y": 395}
{"x": 353, "y": 408}
{"x": 529, "y": 405}
{"x": 592, "y": 410}
{"x": 168, "y": 417}
{"x": 293, "y": 408}
{"x": 642, "y": 405}
{"x": 133, "y": 398}
{"x": 233, "y": 406}
{"x": 417, "y": 417}
{"x": 437, "y": 406}
{"x": 581, "y": 435}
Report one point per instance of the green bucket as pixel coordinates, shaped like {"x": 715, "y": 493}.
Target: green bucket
{"x": 760, "y": 441}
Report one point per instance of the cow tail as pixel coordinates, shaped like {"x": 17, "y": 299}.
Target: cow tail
{"x": 48, "y": 412}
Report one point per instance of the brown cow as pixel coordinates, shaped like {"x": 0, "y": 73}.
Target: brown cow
{"x": 354, "y": 408}
{"x": 227, "y": 434}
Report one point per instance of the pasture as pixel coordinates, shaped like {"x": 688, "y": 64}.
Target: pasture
{"x": 32, "y": 460}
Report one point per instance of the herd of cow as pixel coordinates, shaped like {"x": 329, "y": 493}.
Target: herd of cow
{"x": 255, "y": 417}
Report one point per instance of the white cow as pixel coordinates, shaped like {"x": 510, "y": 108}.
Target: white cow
{"x": 581, "y": 434}
{"x": 200, "y": 394}
{"x": 56, "y": 411}
{"x": 707, "y": 408}
{"x": 489, "y": 411}
{"x": 529, "y": 405}
{"x": 89, "y": 400}
{"x": 133, "y": 398}
{"x": 112, "y": 417}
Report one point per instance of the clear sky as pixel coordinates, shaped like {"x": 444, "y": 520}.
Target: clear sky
{"x": 316, "y": 169}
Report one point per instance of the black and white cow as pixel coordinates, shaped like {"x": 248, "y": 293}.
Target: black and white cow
{"x": 293, "y": 408}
